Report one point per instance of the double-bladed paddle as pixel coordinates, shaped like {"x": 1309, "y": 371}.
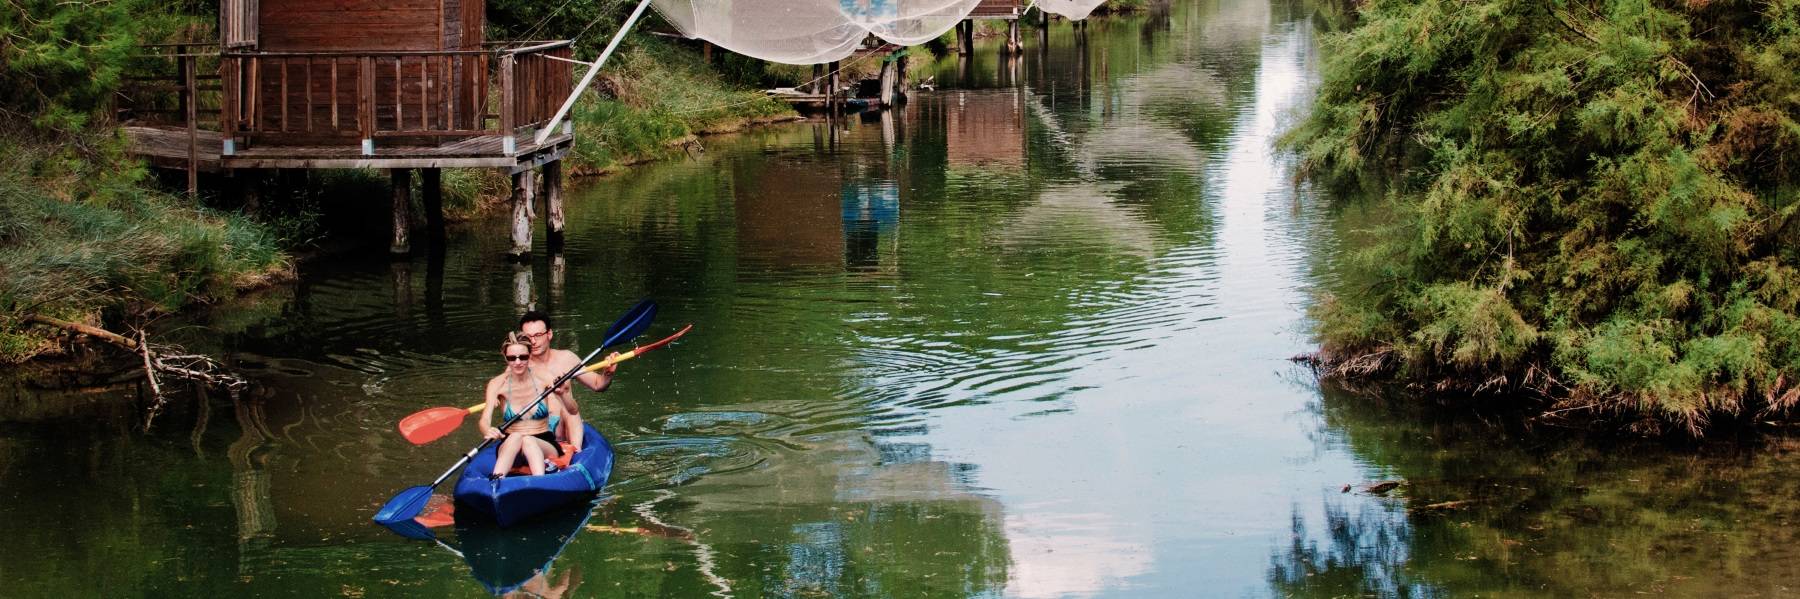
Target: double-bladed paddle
{"x": 405, "y": 505}
{"x": 431, "y": 424}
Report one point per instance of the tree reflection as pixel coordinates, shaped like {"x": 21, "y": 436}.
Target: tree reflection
{"x": 1493, "y": 508}
{"x": 1362, "y": 553}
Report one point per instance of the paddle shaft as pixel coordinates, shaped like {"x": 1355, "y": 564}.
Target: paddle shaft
{"x": 540, "y": 399}
{"x": 598, "y": 366}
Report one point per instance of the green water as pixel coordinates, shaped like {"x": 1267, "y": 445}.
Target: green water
{"x": 1027, "y": 337}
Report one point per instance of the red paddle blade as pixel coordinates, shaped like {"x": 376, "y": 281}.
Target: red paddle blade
{"x": 431, "y": 425}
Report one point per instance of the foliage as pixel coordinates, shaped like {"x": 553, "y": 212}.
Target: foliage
{"x": 1595, "y": 198}
{"x": 79, "y": 236}
{"x": 656, "y": 95}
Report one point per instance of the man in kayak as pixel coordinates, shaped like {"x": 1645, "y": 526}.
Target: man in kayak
{"x": 535, "y": 326}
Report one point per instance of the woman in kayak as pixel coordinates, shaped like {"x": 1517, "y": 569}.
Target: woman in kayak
{"x": 513, "y": 392}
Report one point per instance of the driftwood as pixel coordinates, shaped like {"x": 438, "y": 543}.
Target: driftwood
{"x": 158, "y": 359}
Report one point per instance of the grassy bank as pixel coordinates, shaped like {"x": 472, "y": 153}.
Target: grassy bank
{"x": 1593, "y": 204}
{"x": 84, "y": 238}
{"x": 655, "y": 95}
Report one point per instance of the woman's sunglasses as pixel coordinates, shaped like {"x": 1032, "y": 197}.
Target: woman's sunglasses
{"x": 519, "y": 358}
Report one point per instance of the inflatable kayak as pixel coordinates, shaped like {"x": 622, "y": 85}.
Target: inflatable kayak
{"x": 515, "y": 497}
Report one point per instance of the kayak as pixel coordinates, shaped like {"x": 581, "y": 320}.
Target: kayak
{"x": 515, "y": 498}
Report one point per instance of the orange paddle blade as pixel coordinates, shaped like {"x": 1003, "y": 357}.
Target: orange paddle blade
{"x": 431, "y": 425}
{"x": 439, "y": 511}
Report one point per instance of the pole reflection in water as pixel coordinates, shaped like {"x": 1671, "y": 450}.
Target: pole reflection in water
{"x": 524, "y": 297}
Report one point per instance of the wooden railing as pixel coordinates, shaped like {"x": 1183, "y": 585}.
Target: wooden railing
{"x": 345, "y": 97}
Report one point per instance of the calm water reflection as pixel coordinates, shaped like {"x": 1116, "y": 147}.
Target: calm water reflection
{"x": 1027, "y": 338}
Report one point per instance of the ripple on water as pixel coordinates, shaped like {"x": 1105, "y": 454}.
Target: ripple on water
{"x": 650, "y": 463}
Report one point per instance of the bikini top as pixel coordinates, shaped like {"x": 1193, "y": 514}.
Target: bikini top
{"x": 541, "y": 412}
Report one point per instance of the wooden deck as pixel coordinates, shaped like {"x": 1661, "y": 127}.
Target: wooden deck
{"x": 168, "y": 147}
{"x": 998, "y": 9}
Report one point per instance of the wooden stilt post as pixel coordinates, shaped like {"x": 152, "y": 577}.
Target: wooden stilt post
{"x": 432, "y": 196}
{"x": 189, "y": 106}
{"x": 831, "y": 88}
{"x": 553, "y": 205}
{"x": 887, "y": 84}
{"x": 521, "y": 214}
{"x": 248, "y": 191}
{"x": 900, "y": 84}
{"x": 1012, "y": 36}
{"x": 402, "y": 183}
{"x": 965, "y": 37}
{"x": 818, "y": 78}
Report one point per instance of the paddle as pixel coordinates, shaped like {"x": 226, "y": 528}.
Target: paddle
{"x": 431, "y": 424}
{"x": 406, "y": 504}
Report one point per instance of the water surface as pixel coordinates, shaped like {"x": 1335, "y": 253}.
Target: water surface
{"x": 1026, "y": 337}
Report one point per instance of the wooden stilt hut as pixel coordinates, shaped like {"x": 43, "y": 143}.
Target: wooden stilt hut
{"x": 388, "y": 84}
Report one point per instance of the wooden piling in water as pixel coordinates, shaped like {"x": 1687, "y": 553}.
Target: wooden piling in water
{"x": 402, "y": 183}
{"x": 431, "y": 191}
{"x": 553, "y": 205}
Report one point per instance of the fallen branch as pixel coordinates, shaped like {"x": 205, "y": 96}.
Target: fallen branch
{"x": 158, "y": 359}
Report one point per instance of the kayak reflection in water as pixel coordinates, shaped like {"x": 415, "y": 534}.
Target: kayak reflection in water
{"x": 512, "y": 393}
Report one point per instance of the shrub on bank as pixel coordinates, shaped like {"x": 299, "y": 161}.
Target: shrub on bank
{"x": 80, "y": 236}
{"x": 653, "y": 95}
{"x": 1596, "y": 201}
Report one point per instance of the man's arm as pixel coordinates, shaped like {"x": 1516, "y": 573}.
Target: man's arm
{"x": 596, "y": 381}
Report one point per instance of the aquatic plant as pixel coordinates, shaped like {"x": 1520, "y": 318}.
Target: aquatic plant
{"x": 1592, "y": 200}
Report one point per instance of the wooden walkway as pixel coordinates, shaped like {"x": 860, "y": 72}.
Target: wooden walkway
{"x": 168, "y": 147}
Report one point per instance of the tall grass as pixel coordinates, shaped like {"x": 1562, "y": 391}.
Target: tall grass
{"x": 655, "y": 95}
{"x": 77, "y": 243}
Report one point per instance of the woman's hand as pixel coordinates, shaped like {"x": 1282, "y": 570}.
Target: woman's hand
{"x": 613, "y": 367}
{"x": 492, "y": 433}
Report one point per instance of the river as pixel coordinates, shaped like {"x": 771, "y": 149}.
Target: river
{"x": 1027, "y": 337}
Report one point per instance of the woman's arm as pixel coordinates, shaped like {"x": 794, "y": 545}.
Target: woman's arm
{"x": 492, "y": 399}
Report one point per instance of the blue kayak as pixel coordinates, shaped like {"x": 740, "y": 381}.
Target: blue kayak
{"x": 515, "y": 498}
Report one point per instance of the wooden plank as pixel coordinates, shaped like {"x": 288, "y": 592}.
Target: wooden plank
{"x": 507, "y": 98}
{"x": 334, "y": 93}
{"x": 340, "y": 17}
{"x": 188, "y": 67}
{"x": 424, "y": 93}
{"x": 284, "y": 94}
{"x": 450, "y": 95}
{"x": 399, "y": 102}
{"x": 309, "y": 97}
{"x": 278, "y": 7}
{"x": 255, "y": 91}
{"x": 365, "y": 97}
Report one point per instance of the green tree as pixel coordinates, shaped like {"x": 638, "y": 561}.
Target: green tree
{"x": 1592, "y": 199}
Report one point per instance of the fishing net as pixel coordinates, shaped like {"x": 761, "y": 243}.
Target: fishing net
{"x": 1073, "y": 10}
{"x": 811, "y": 31}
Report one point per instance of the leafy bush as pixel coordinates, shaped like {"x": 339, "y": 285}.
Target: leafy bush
{"x": 1593, "y": 199}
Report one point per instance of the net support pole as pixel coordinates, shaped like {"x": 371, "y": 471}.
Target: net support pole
{"x": 544, "y": 132}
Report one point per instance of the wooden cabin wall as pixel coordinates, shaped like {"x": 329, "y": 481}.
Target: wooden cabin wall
{"x": 320, "y": 25}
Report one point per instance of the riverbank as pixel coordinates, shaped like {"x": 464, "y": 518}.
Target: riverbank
{"x": 84, "y": 237}
{"x": 1592, "y": 215}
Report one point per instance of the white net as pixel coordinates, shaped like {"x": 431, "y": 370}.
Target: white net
{"x": 811, "y": 31}
{"x": 1073, "y": 10}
